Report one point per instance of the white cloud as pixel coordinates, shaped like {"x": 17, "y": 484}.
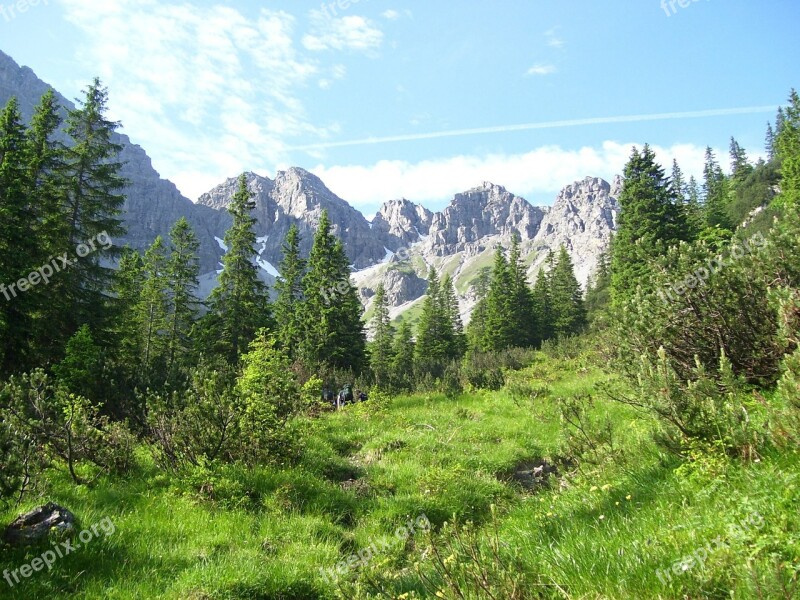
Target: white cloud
{"x": 218, "y": 89}
{"x": 391, "y": 15}
{"x": 537, "y": 175}
{"x": 552, "y": 38}
{"x": 351, "y": 32}
{"x": 541, "y": 69}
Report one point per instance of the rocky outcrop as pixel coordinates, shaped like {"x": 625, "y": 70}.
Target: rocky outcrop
{"x": 582, "y": 219}
{"x": 403, "y": 219}
{"x": 486, "y": 211}
{"x": 36, "y": 525}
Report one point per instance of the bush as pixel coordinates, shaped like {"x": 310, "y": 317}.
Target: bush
{"x": 50, "y": 424}
{"x": 197, "y": 426}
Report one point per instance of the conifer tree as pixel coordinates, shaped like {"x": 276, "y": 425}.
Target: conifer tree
{"x": 152, "y": 314}
{"x": 239, "y": 305}
{"x": 649, "y": 222}
{"x": 568, "y": 309}
{"x": 499, "y": 333}
{"x": 715, "y": 189}
{"x": 383, "y": 339}
{"x": 289, "y": 286}
{"x": 788, "y": 150}
{"x": 183, "y": 271}
{"x": 432, "y": 341}
{"x": 769, "y": 143}
{"x": 333, "y": 332}
{"x": 457, "y": 342}
{"x": 403, "y": 352}
{"x": 740, "y": 165}
{"x": 542, "y": 303}
{"x": 476, "y": 330}
{"x": 46, "y": 183}
{"x": 695, "y": 219}
{"x": 17, "y": 222}
{"x": 127, "y": 293}
{"x": 525, "y": 329}
{"x": 93, "y": 204}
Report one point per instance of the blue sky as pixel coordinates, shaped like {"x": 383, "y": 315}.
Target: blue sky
{"x": 382, "y": 98}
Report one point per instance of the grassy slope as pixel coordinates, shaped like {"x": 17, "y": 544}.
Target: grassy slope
{"x": 603, "y": 533}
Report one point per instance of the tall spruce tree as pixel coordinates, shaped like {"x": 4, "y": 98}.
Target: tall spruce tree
{"x": 458, "y": 340}
{"x": 46, "y": 166}
{"x": 566, "y": 297}
{"x": 18, "y": 221}
{"x": 382, "y": 344}
{"x": 333, "y": 332}
{"x": 403, "y": 352}
{"x": 542, "y": 302}
{"x": 183, "y": 271}
{"x": 476, "y": 330}
{"x": 239, "y": 305}
{"x": 715, "y": 190}
{"x": 93, "y": 205}
{"x": 289, "y": 286}
{"x": 649, "y": 222}
{"x": 524, "y": 323}
{"x": 431, "y": 346}
{"x": 499, "y": 333}
{"x": 152, "y": 315}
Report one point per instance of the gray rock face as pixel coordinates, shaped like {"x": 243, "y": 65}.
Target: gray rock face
{"x": 403, "y": 219}
{"x": 299, "y": 197}
{"x": 403, "y": 285}
{"x": 582, "y": 219}
{"x": 485, "y": 211}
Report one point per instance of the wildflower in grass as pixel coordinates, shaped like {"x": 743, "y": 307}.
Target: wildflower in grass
{"x": 602, "y": 517}
{"x": 628, "y": 497}
{"x": 606, "y": 487}
{"x": 593, "y": 488}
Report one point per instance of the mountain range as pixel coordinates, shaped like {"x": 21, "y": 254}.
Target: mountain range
{"x": 397, "y": 247}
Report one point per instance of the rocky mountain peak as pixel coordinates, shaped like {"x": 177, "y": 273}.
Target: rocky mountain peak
{"x": 403, "y": 219}
{"x": 485, "y": 211}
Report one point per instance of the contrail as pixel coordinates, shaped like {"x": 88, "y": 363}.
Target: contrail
{"x": 696, "y": 114}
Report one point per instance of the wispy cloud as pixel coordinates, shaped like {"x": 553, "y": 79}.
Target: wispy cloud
{"x": 551, "y": 36}
{"x": 391, "y": 15}
{"x": 698, "y": 114}
{"x": 351, "y": 32}
{"x": 218, "y": 89}
{"x": 541, "y": 69}
{"x": 537, "y": 175}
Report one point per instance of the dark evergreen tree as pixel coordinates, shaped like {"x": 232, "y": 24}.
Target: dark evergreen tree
{"x": 476, "y": 330}
{"x": 499, "y": 333}
{"x": 649, "y": 223}
{"x": 769, "y": 143}
{"x": 152, "y": 315}
{"x": 289, "y": 286}
{"x": 458, "y": 340}
{"x": 695, "y": 218}
{"x": 788, "y": 149}
{"x": 382, "y": 344}
{"x": 93, "y": 204}
{"x": 566, "y": 297}
{"x": 525, "y": 326}
{"x": 715, "y": 190}
{"x": 333, "y": 332}
{"x": 403, "y": 353}
{"x": 740, "y": 165}
{"x": 17, "y": 223}
{"x": 433, "y": 341}
{"x": 182, "y": 273}
{"x": 238, "y": 306}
